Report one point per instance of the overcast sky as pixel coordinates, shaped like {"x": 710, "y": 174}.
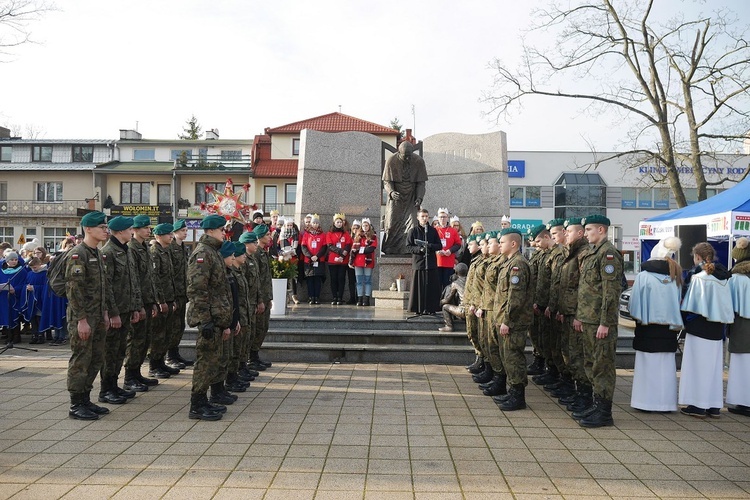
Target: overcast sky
{"x": 241, "y": 66}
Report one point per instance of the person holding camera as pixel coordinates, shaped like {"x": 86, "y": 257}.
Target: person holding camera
{"x": 209, "y": 309}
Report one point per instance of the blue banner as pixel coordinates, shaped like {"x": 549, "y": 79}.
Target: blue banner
{"x": 516, "y": 168}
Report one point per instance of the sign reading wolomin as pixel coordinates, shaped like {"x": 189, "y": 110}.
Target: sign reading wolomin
{"x": 162, "y": 213}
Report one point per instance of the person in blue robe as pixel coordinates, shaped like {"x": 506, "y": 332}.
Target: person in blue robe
{"x": 12, "y": 287}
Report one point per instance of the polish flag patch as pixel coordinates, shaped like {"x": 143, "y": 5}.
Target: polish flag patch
{"x": 610, "y": 256}
{"x": 199, "y": 260}
{"x": 74, "y": 256}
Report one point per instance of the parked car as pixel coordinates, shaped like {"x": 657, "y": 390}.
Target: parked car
{"x": 625, "y": 304}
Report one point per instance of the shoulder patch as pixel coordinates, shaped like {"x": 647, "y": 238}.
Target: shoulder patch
{"x": 74, "y": 256}
{"x": 104, "y": 256}
{"x": 610, "y": 256}
{"x": 609, "y": 269}
{"x": 199, "y": 260}
{"x": 514, "y": 269}
{"x": 515, "y": 279}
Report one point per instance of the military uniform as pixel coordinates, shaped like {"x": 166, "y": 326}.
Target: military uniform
{"x": 178, "y": 253}
{"x": 164, "y": 282}
{"x": 125, "y": 300}
{"x": 476, "y": 295}
{"x": 140, "y": 338}
{"x": 87, "y": 292}
{"x": 265, "y": 285}
{"x": 540, "y": 287}
{"x": 552, "y": 328}
{"x": 599, "y": 290}
{"x": 472, "y": 325}
{"x": 251, "y": 271}
{"x": 209, "y": 309}
{"x": 488, "y": 306}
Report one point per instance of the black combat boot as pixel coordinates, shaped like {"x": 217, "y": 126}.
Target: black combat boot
{"x": 583, "y": 399}
{"x": 267, "y": 364}
{"x": 536, "y": 367}
{"x": 590, "y": 409}
{"x": 477, "y": 366}
{"x": 485, "y": 375}
{"x": 497, "y": 387}
{"x": 126, "y": 393}
{"x": 172, "y": 361}
{"x": 79, "y": 410}
{"x": 99, "y": 410}
{"x": 132, "y": 381}
{"x": 247, "y": 372}
{"x": 566, "y": 400}
{"x": 155, "y": 370}
{"x": 234, "y": 384}
{"x": 516, "y": 399}
{"x": 602, "y": 416}
{"x": 108, "y": 394}
{"x": 201, "y": 410}
{"x": 169, "y": 369}
{"x": 244, "y": 376}
{"x": 548, "y": 377}
{"x": 220, "y": 396}
{"x": 566, "y": 388}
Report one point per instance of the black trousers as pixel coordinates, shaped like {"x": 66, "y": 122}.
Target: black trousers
{"x": 338, "y": 280}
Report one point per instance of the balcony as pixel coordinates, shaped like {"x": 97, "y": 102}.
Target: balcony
{"x": 67, "y": 208}
{"x": 213, "y": 163}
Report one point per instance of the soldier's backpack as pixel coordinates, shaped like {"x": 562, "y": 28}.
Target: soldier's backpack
{"x": 56, "y": 273}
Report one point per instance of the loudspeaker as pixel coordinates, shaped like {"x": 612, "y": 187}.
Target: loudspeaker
{"x": 690, "y": 236}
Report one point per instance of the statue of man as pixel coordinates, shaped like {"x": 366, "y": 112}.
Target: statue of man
{"x": 404, "y": 179}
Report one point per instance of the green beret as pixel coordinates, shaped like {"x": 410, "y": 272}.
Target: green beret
{"x": 178, "y": 224}
{"x": 555, "y": 223}
{"x": 213, "y": 222}
{"x": 248, "y": 237}
{"x": 93, "y": 219}
{"x": 163, "y": 228}
{"x": 141, "y": 221}
{"x": 510, "y": 230}
{"x": 120, "y": 223}
{"x": 534, "y": 231}
{"x": 227, "y": 249}
{"x": 573, "y": 221}
{"x": 596, "y": 219}
{"x": 239, "y": 249}
{"x": 493, "y": 235}
{"x": 260, "y": 230}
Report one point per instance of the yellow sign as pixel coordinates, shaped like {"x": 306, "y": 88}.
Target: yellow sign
{"x": 22, "y": 239}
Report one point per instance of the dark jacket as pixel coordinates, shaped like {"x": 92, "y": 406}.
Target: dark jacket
{"x": 420, "y": 254}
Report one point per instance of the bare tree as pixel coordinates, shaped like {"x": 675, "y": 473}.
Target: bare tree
{"x": 16, "y": 17}
{"x": 27, "y": 131}
{"x": 681, "y": 84}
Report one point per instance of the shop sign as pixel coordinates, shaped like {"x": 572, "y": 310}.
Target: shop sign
{"x": 516, "y": 168}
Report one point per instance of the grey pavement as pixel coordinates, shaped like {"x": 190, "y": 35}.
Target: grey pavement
{"x": 352, "y": 431}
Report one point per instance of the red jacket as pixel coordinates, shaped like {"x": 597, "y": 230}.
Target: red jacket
{"x": 451, "y": 240}
{"x": 314, "y": 244}
{"x": 338, "y": 242}
{"x": 363, "y": 254}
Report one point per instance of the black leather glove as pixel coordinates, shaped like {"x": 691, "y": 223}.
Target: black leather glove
{"x": 207, "y": 331}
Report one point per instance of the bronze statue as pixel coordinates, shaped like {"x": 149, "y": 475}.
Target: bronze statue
{"x": 404, "y": 179}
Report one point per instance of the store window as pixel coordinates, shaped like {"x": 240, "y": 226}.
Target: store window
{"x": 657, "y": 198}
{"x": 135, "y": 193}
{"x": 579, "y": 195}
{"x": 525, "y": 196}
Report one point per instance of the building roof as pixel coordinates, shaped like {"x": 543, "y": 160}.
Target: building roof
{"x": 185, "y": 142}
{"x": 333, "y": 122}
{"x": 154, "y": 167}
{"x": 58, "y": 142}
{"x": 45, "y": 165}
{"x": 282, "y": 169}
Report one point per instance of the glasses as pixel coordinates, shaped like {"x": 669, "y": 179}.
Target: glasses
{"x": 103, "y": 227}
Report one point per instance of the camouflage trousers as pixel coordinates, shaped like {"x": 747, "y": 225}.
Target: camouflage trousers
{"x": 209, "y": 356}
{"x": 115, "y": 346}
{"x": 472, "y": 331}
{"x": 177, "y": 324}
{"x": 261, "y": 329}
{"x": 552, "y": 337}
{"x": 512, "y": 348}
{"x": 247, "y": 338}
{"x": 492, "y": 345}
{"x": 535, "y": 334}
{"x": 237, "y": 343}
{"x": 599, "y": 360}
{"x": 138, "y": 342}
{"x": 87, "y": 356}
{"x": 226, "y": 358}
{"x": 160, "y": 329}
{"x": 575, "y": 352}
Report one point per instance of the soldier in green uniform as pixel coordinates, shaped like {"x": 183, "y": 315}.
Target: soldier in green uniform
{"x": 178, "y": 252}
{"x": 262, "y": 259}
{"x": 123, "y": 307}
{"x": 87, "y": 291}
{"x": 237, "y": 382}
{"x": 512, "y": 317}
{"x": 475, "y": 296}
{"x": 472, "y": 326}
{"x": 209, "y": 309}
{"x": 598, "y": 297}
{"x": 567, "y": 305}
{"x": 549, "y": 273}
{"x": 497, "y": 385}
{"x": 250, "y": 270}
{"x": 165, "y": 298}
{"x": 535, "y": 332}
{"x": 138, "y": 341}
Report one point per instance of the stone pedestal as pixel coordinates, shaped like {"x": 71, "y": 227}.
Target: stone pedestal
{"x": 391, "y": 267}
{"x": 386, "y": 299}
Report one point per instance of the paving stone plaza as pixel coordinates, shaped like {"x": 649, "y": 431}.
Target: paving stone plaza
{"x": 369, "y": 431}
